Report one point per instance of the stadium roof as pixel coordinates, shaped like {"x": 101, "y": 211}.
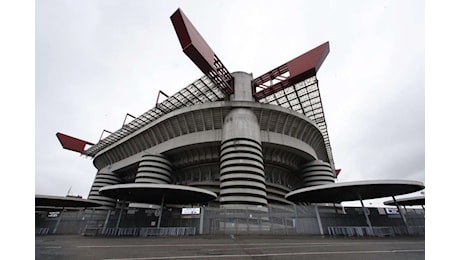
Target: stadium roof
{"x": 412, "y": 201}
{"x": 201, "y": 91}
{"x": 303, "y": 97}
{"x": 53, "y": 202}
{"x": 292, "y": 85}
{"x": 153, "y": 193}
{"x": 351, "y": 191}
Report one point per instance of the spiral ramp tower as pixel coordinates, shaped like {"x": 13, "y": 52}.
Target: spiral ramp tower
{"x": 154, "y": 168}
{"x": 104, "y": 177}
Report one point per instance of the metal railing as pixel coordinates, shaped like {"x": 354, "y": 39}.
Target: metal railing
{"x": 349, "y": 231}
{"x": 41, "y": 231}
{"x": 376, "y": 231}
{"x": 168, "y": 231}
{"x": 282, "y": 220}
{"x": 147, "y": 231}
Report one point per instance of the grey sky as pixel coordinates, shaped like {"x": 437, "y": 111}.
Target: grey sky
{"x": 98, "y": 60}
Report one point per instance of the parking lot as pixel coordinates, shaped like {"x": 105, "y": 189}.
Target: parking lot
{"x": 228, "y": 247}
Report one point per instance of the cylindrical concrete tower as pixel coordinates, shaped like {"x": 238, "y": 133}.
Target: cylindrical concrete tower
{"x": 154, "y": 168}
{"x": 317, "y": 172}
{"x": 104, "y": 177}
{"x": 242, "y": 177}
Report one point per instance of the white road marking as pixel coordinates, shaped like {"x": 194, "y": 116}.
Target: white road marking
{"x": 247, "y": 244}
{"x": 278, "y": 246}
{"x": 274, "y": 254}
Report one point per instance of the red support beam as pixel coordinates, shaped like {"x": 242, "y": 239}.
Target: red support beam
{"x": 72, "y": 143}
{"x": 198, "y": 50}
{"x": 193, "y": 44}
{"x": 337, "y": 171}
{"x": 300, "y": 68}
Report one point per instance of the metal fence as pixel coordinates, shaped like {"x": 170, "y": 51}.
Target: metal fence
{"x": 274, "y": 220}
{"x": 375, "y": 231}
{"x": 144, "y": 232}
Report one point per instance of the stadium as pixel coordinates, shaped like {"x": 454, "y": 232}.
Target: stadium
{"x": 222, "y": 155}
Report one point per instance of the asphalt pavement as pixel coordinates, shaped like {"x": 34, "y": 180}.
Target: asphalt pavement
{"x": 229, "y": 247}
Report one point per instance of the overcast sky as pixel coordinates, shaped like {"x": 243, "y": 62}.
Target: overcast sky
{"x": 95, "y": 61}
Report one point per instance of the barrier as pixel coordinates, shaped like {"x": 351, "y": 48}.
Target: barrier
{"x": 275, "y": 220}
{"x": 41, "y": 231}
{"x": 349, "y": 231}
{"x": 376, "y": 231}
{"x": 168, "y": 231}
{"x": 144, "y": 232}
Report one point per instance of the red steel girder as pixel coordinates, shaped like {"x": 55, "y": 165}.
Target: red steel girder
{"x": 337, "y": 172}
{"x": 298, "y": 69}
{"x": 193, "y": 44}
{"x": 72, "y": 143}
{"x": 198, "y": 50}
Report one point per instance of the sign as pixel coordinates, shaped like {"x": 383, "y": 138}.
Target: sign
{"x": 392, "y": 211}
{"x": 53, "y": 214}
{"x": 190, "y": 211}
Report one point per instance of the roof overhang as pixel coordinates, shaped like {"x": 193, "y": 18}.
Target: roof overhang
{"x": 351, "y": 191}
{"x": 55, "y": 202}
{"x": 412, "y": 201}
{"x": 153, "y": 193}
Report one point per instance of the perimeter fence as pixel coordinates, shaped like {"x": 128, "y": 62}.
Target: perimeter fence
{"x": 272, "y": 220}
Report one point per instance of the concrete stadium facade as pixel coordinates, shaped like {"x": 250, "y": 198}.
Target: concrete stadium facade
{"x": 250, "y": 153}
{"x": 227, "y": 154}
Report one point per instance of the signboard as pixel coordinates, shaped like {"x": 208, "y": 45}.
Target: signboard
{"x": 392, "y": 211}
{"x": 53, "y": 214}
{"x": 190, "y": 211}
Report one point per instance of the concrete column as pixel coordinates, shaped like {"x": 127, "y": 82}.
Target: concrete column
{"x": 403, "y": 218}
{"x": 242, "y": 87}
{"x": 161, "y": 210}
{"x": 122, "y": 208}
{"x": 201, "y": 220}
{"x": 58, "y": 221}
{"x": 318, "y": 218}
{"x": 106, "y": 221}
{"x": 242, "y": 176}
{"x": 368, "y": 221}
{"x": 104, "y": 177}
